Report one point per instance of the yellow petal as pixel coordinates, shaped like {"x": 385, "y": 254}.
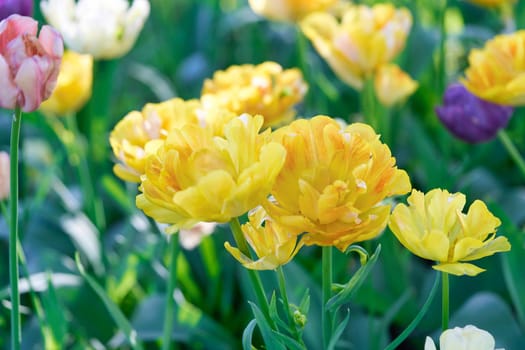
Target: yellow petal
{"x": 459, "y": 269}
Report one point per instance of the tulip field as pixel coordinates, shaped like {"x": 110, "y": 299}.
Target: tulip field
{"x": 262, "y": 174}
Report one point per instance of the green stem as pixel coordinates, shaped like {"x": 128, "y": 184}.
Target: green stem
{"x": 284, "y": 295}
{"x": 368, "y": 104}
{"x": 422, "y": 312}
{"x": 512, "y": 150}
{"x": 253, "y": 274}
{"x": 326, "y": 318}
{"x": 169, "y": 316}
{"x": 16, "y": 334}
{"x": 441, "y": 64}
{"x": 445, "y": 301}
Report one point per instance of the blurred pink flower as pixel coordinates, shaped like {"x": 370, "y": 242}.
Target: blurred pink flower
{"x": 4, "y": 175}
{"x": 29, "y": 65}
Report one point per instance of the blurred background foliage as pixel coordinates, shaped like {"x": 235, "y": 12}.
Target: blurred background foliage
{"x": 183, "y": 43}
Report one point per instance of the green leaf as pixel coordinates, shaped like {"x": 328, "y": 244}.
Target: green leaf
{"x": 247, "y": 335}
{"x": 117, "y": 315}
{"x": 291, "y": 344}
{"x": 266, "y": 331}
{"x": 274, "y": 314}
{"x": 338, "y": 331}
{"x": 348, "y": 289}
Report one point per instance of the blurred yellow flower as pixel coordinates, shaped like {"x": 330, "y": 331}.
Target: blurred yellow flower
{"x": 392, "y": 85}
{"x": 333, "y": 182}
{"x": 273, "y": 244}
{"x": 289, "y": 10}
{"x": 433, "y": 227}
{"x": 195, "y": 176}
{"x": 497, "y": 72}
{"x": 73, "y": 87}
{"x": 491, "y": 3}
{"x": 265, "y": 89}
{"x": 4, "y": 175}
{"x": 359, "y": 42}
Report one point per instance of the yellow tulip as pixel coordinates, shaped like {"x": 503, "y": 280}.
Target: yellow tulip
{"x": 433, "y": 227}
{"x": 497, "y": 72}
{"x": 333, "y": 182}
{"x": 265, "y": 89}
{"x": 361, "y": 41}
{"x": 392, "y": 85}
{"x": 74, "y": 84}
{"x": 194, "y": 176}
{"x": 289, "y": 10}
{"x": 273, "y": 244}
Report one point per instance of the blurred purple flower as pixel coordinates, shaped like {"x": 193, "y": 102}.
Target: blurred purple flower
{"x": 470, "y": 118}
{"x": 21, "y": 7}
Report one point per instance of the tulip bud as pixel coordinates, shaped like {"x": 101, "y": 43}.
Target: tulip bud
{"x": 470, "y": 118}
{"x": 29, "y": 64}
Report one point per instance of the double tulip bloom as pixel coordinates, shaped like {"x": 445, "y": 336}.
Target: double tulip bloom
{"x": 29, "y": 64}
{"x": 105, "y": 29}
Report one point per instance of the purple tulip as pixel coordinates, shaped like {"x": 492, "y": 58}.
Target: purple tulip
{"x": 470, "y": 118}
{"x": 21, "y": 7}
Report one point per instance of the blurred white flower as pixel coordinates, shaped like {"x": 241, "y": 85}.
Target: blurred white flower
{"x": 192, "y": 237}
{"x": 105, "y": 29}
{"x": 467, "y": 338}
{"x": 4, "y": 175}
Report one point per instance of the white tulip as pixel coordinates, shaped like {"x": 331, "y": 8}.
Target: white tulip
{"x": 105, "y": 29}
{"x": 467, "y": 338}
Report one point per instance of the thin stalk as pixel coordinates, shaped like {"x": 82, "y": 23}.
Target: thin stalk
{"x": 255, "y": 279}
{"x": 169, "y": 316}
{"x": 445, "y": 301}
{"x": 368, "y": 104}
{"x": 16, "y": 334}
{"x": 512, "y": 150}
{"x": 326, "y": 318}
{"x": 284, "y": 295}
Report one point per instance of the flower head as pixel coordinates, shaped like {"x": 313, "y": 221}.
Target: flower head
{"x": 265, "y": 89}
{"x": 497, "y": 72}
{"x": 104, "y": 29}
{"x": 10, "y": 7}
{"x": 29, "y": 64}
{"x": 194, "y": 176}
{"x": 467, "y": 338}
{"x": 470, "y": 118}
{"x": 272, "y": 243}
{"x": 491, "y": 3}
{"x": 191, "y": 237}
{"x": 361, "y": 41}
{"x": 433, "y": 227}
{"x": 392, "y": 85}
{"x": 73, "y": 87}
{"x": 4, "y": 175}
{"x": 333, "y": 182}
{"x": 289, "y": 10}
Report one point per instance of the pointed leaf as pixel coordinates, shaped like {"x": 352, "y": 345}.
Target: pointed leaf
{"x": 339, "y": 331}
{"x": 247, "y": 335}
{"x": 266, "y": 331}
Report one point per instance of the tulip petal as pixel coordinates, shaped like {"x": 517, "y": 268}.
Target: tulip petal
{"x": 459, "y": 269}
{"x": 9, "y": 90}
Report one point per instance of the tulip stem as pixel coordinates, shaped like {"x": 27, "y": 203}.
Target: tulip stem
{"x": 512, "y": 150}
{"x": 445, "y": 301}
{"x": 16, "y": 334}
{"x": 441, "y": 66}
{"x": 282, "y": 289}
{"x": 253, "y": 274}
{"x": 169, "y": 316}
{"x": 368, "y": 105}
{"x": 326, "y": 317}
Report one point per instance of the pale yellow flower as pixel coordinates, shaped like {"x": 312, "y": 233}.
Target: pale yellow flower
{"x": 466, "y": 338}
{"x": 359, "y": 42}
{"x": 192, "y": 237}
{"x": 4, "y": 175}
{"x": 497, "y": 72}
{"x": 433, "y": 227}
{"x": 265, "y": 89}
{"x": 194, "y": 176}
{"x": 73, "y": 87}
{"x": 273, "y": 244}
{"x": 333, "y": 182}
{"x": 289, "y": 10}
{"x": 392, "y": 85}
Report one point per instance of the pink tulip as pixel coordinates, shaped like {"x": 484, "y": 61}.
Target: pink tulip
{"x": 29, "y": 65}
{"x": 4, "y": 175}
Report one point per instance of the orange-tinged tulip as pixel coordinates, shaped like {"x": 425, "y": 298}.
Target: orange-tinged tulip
{"x": 273, "y": 244}
{"x": 194, "y": 176}
{"x": 392, "y": 85}
{"x": 433, "y": 227}
{"x": 265, "y": 89}
{"x": 333, "y": 182}
{"x": 359, "y": 42}
{"x": 289, "y": 10}
{"x": 497, "y": 72}
{"x": 491, "y": 3}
